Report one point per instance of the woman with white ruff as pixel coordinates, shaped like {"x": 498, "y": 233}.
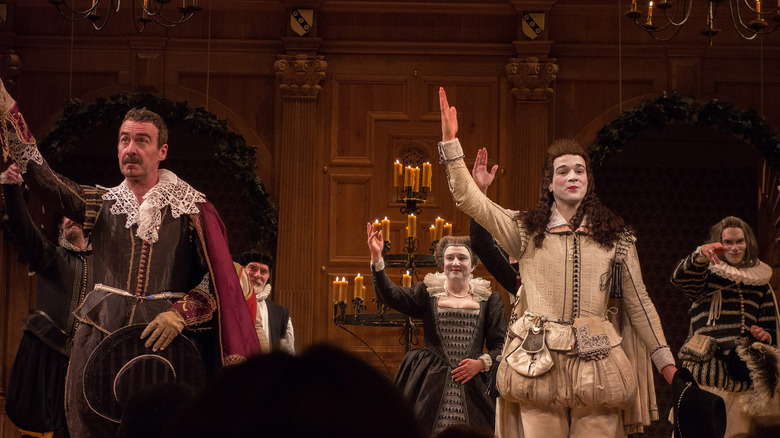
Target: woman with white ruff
{"x": 446, "y": 380}
{"x": 566, "y": 369}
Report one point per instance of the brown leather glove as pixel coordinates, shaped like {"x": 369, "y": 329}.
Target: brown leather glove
{"x": 163, "y": 329}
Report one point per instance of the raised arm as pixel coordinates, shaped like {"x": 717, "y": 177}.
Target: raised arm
{"x": 408, "y": 300}
{"x": 56, "y": 191}
{"x": 30, "y": 241}
{"x": 499, "y": 221}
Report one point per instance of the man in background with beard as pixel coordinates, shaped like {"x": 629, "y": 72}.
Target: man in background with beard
{"x": 272, "y": 321}
{"x": 36, "y": 391}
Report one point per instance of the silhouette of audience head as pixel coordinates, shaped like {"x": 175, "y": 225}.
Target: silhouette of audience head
{"x": 322, "y": 393}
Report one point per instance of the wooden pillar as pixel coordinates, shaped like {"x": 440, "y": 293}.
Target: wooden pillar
{"x": 296, "y": 271}
{"x": 530, "y": 80}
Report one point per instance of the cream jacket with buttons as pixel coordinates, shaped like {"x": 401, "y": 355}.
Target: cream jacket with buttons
{"x": 551, "y": 287}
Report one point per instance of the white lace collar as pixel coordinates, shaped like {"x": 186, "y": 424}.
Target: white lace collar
{"x": 169, "y": 191}
{"x": 755, "y": 275}
{"x": 480, "y": 288}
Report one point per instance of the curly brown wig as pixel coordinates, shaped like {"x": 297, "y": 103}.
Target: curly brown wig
{"x": 751, "y": 245}
{"x": 446, "y": 241}
{"x": 605, "y": 225}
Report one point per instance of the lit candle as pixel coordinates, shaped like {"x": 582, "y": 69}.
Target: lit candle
{"x": 406, "y": 281}
{"x": 343, "y": 289}
{"x": 416, "y": 179}
{"x": 650, "y": 13}
{"x": 385, "y": 229}
{"x": 448, "y": 229}
{"x": 408, "y": 176}
{"x": 758, "y": 8}
{"x": 411, "y": 226}
{"x": 359, "y": 286}
{"x": 398, "y": 173}
{"x": 376, "y": 225}
{"x": 426, "y": 175}
{"x": 439, "y": 223}
{"x": 432, "y": 232}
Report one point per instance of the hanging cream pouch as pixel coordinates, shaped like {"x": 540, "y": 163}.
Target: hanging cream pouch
{"x": 601, "y": 373}
{"x": 531, "y": 358}
{"x": 523, "y": 371}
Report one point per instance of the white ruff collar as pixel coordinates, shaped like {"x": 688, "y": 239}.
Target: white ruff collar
{"x": 169, "y": 191}
{"x": 754, "y": 275}
{"x": 262, "y": 293}
{"x": 480, "y": 288}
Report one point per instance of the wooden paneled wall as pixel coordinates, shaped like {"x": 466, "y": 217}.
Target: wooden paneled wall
{"x": 326, "y": 154}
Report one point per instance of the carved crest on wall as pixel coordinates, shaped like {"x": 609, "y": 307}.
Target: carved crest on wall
{"x": 302, "y": 20}
{"x": 533, "y": 24}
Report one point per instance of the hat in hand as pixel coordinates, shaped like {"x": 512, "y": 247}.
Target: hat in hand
{"x": 697, "y": 413}
{"x": 121, "y": 365}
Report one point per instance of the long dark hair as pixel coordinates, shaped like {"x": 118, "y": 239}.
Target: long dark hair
{"x": 605, "y": 225}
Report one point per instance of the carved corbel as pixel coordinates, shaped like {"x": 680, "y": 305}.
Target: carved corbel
{"x": 531, "y": 78}
{"x": 300, "y": 75}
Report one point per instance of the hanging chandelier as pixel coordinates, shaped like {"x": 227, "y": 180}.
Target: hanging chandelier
{"x": 748, "y": 17}
{"x": 147, "y": 11}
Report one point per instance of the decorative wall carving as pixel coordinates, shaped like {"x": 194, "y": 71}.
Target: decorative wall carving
{"x": 531, "y": 78}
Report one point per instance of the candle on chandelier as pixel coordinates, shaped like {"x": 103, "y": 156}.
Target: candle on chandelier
{"x": 432, "y": 232}
{"x": 406, "y": 280}
{"x": 416, "y": 179}
{"x": 448, "y": 229}
{"x": 407, "y": 176}
{"x": 398, "y": 173}
{"x": 376, "y": 226}
{"x": 340, "y": 287}
{"x": 427, "y": 175}
{"x": 650, "y": 13}
{"x": 359, "y": 286}
{"x": 411, "y": 226}
{"x": 385, "y": 229}
{"x": 439, "y": 224}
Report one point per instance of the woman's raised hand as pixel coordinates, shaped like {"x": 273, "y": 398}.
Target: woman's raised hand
{"x": 449, "y": 117}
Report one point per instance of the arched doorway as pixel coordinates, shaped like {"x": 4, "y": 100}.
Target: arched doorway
{"x": 673, "y": 167}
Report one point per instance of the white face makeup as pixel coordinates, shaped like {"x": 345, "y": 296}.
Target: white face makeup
{"x": 570, "y": 180}
{"x": 457, "y": 263}
{"x": 733, "y": 240}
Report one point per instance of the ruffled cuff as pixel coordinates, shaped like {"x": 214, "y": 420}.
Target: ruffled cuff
{"x": 378, "y": 266}
{"x": 662, "y": 357}
{"x": 450, "y": 151}
{"x": 488, "y": 362}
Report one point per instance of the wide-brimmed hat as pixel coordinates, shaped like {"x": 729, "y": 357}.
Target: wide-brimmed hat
{"x": 697, "y": 413}
{"x": 121, "y": 365}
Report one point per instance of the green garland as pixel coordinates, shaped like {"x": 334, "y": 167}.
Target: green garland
{"x": 231, "y": 149}
{"x": 672, "y": 108}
